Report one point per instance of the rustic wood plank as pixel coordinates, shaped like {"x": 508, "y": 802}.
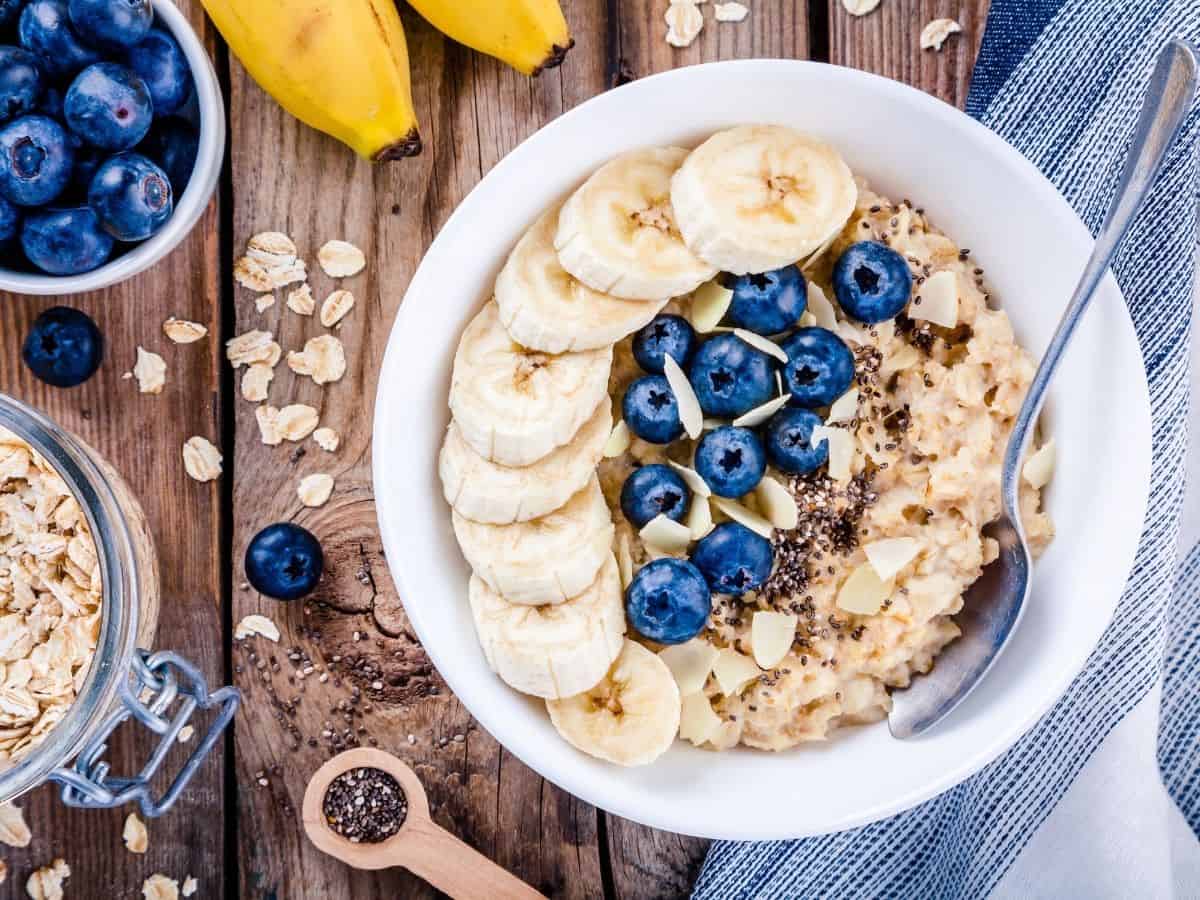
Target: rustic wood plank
{"x": 141, "y": 436}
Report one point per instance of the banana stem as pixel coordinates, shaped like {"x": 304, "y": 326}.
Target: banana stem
{"x": 409, "y": 145}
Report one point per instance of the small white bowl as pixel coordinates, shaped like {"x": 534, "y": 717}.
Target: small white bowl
{"x": 188, "y": 208}
{"x": 984, "y": 194}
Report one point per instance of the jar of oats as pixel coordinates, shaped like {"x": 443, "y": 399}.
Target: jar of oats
{"x": 79, "y": 596}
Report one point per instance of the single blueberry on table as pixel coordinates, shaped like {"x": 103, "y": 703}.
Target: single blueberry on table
{"x": 789, "y": 441}
{"x": 111, "y": 24}
{"x": 820, "y": 367}
{"x": 131, "y": 196}
{"x": 872, "y": 282}
{"x": 160, "y": 62}
{"x": 65, "y": 241}
{"x": 64, "y": 347}
{"x": 284, "y": 561}
{"x": 731, "y": 460}
{"x": 652, "y": 491}
{"x": 768, "y": 302}
{"x": 10, "y": 222}
{"x": 35, "y": 160}
{"x": 666, "y": 335}
{"x": 733, "y": 559}
{"x": 173, "y": 143}
{"x": 668, "y": 601}
{"x": 109, "y": 106}
{"x": 45, "y": 30}
{"x": 651, "y": 410}
{"x": 730, "y": 377}
{"x": 20, "y": 81}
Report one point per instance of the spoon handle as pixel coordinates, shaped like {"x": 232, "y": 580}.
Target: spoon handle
{"x": 456, "y": 868}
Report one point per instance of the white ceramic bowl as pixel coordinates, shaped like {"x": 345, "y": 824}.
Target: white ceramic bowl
{"x": 976, "y": 188}
{"x": 210, "y": 109}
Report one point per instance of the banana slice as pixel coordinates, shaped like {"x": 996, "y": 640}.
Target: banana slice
{"x": 546, "y": 560}
{"x": 617, "y": 232}
{"x": 552, "y": 651}
{"x": 545, "y": 308}
{"x": 515, "y": 405}
{"x": 758, "y": 197}
{"x": 484, "y": 491}
{"x": 630, "y": 717}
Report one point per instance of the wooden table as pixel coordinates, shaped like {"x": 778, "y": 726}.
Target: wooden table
{"x": 238, "y": 835}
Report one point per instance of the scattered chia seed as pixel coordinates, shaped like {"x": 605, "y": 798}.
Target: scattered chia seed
{"x": 365, "y": 805}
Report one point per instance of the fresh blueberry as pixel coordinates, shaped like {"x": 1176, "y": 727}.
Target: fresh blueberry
{"x": 9, "y": 10}
{"x": 10, "y": 222}
{"x": 730, "y": 377}
{"x": 789, "y": 441}
{"x": 872, "y": 282}
{"x": 768, "y": 302}
{"x": 87, "y": 161}
{"x": 666, "y": 335}
{"x": 109, "y": 106}
{"x": 64, "y": 347}
{"x": 653, "y": 491}
{"x": 131, "y": 196}
{"x": 284, "y": 561}
{"x": 173, "y": 143}
{"x": 50, "y": 103}
{"x": 35, "y": 160}
{"x": 733, "y": 559}
{"x": 20, "y": 81}
{"x": 820, "y": 367}
{"x": 651, "y": 410}
{"x": 668, "y": 601}
{"x": 111, "y": 24}
{"x": 731, "y": 460}
{"x": 45, "y": 30}
{"x": 65, "y": 241}
{"x": 160, "y": 62}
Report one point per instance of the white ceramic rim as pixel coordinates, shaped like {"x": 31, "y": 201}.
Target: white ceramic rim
{"x": 397, "y": 525}
{"x": 188, "y": 208}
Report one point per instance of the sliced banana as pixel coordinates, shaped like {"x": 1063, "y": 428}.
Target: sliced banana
{"x": 543, "y": 307}
{"x": 485, "y": 491}
{"x": 552, "y": 651}
{"x": 515, "y": 405}
{"x": 758, "y": 197}
{"x": 617, "y": 233}
{"x": 630, "y": 717}
{"x": 546, "y": 560}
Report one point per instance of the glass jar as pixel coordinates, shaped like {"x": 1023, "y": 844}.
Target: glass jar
{"x": 160, "y": 690}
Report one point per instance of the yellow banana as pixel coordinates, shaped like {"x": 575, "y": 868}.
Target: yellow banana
{"x": 529, "y": 35}
{"x": 340, "y": 66}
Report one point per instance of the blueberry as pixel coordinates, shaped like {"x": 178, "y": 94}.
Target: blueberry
{"x": 111, "y": 24}
{"x": 666, "y": 335}
{"x": 64, "y": 347}
{"x": 50, "y": 103}
{"x": 45, "y": 30}
{"x": 730, "y": 377}
{"x": 109, "y": 106}
{"x": 651, "y": 410}
{"x": 20, "y": 81}
{"x": 65, "y": 241}
{"x": 731, "y": 460}
{"x": 668, "y": 601}
{"x": 284, "y": 561}
{"x": 87, "y": 161}
{"x": 734, "y": 559}
{"x": 10, "y": 222}
{"x": 160, "y": 62}
{"x": 872, "y": 282}
{"x": 9, "y": 10}
{"x": 173, "y": 143}
{"x": 820, "y": 367}
{"x": 789, "y": 441}
{"x": 131, "y": 196}
{"x": 35, "y": 160}
{"x": 652, "y": 491}
{"x": 768, "y": 302}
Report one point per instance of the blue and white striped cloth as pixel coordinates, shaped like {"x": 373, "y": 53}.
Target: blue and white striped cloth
{"x": 1078, "y": 807}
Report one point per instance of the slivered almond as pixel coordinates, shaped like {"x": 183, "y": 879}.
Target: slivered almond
{"x": 690, "y": 414}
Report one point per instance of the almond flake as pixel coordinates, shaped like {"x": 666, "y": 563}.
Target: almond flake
{"x": 935, "y": 33}
{"x": 327, "y": 439}
{"x": 697, "y": 721}
{"x": 185, "y": 734}
{"x": 761, "y": 344}
{"x": 844, "y": 408}
{"x": 699, "y": 519}
{"x": 807, "y": 320}
{"x": 256, "y": 624}
{"x": 730, "y": 12}
{"x": 618, "y": 440}
{"x": 296, "y": 422}
{"x": 710, "y": 302}
{"x": 624, "y": 560}
{"x": 820, "y": 251}
{"x": 134, "y": 834}
{"x": 255, "y": 382}
{"x": 251, "y": 347}
{"x": 760, "y": 414}
{"x": 314, "y": 490}
{"x": 201, "y": 459}
{"x": 841, "y": 450}
{"x": 863, "y": 592}
{"x": 323, "y": 359}
{"x": 335, "y": 307}
{"x": 182, "y": 331}
{"x": 160, "y": 887}
{"x": 268, "y": 425}
{"x": 13, "y": 830}
{"x": 684, "y": 21}
{"x": 690, "y": 414}
{"x": 888, "y": 556}
{"x": 1039, "y": 468}
{"x": 734, "y": 671}
{"x": 189, "y": 886}
{"x": 340, "y": 259}
{"x": 690, "y": 663}
{"x": 938, "y": 300}
{"x": 46, "y": 883}
{"x": 666, "y": 535}
{"x": 692, "y": 479}
{"x": 263, "y": 302}
{"x": 859, "y": 7}
{"x": 777, "y": 503}
{"x": 743, "y": 516}
{"x": 820, "y": 306}
{"x": 301, "y": 301}
{"x": 150, "y": 370}
{"x": 771, "y": 636}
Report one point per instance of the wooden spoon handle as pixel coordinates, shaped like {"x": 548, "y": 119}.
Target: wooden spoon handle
{"x": 455, "y": 868}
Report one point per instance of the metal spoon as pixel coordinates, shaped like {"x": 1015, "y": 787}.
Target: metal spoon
{"x": 994, "y": 603}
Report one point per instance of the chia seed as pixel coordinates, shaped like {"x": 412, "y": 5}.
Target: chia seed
{"x": 365, "y": 805}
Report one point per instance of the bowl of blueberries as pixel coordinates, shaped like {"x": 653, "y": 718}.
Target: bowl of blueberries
{"x": 112, "y": 131}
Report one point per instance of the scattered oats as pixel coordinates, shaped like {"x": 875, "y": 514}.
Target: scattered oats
{"x": 270, "y": 262}
{"x": 271, "y": 247}
{"x": 189, "y": 886}
{"x": 935, "y": 33}
{"x": 323, "y": 359}
{"x": 255, "y": 381}
{"x": 201, "y": 459}
{"x": 684, "y": 21}
{"x": 256, "y": 624}
{"x": 296, "y": 422}
{"x": 301, "y": 300}
{"x": 335, "y": 307}
{"x": 340, "y": 259}
{"x": 263, "y": 302}
{"x": 730, "y": 12}
{"x": 268, "y": 425}
{"x": 252, "y": 347}
{"x": 182, "y": 331}
{"x": 859, "y": 7}
{"x": 150, "y": 370}
{"x": 160, "y": 887}
{"x": 134, "y": 834}
{"x": 252, "y": 275}
{"x": 46, "y": 883}
{"x": 314, "y": 490}
{"x": 13, "y": 830}
{"x": 185, "y": 734}
{"x": 327, "y": 439}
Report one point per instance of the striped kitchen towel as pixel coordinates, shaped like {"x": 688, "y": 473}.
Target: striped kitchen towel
{"x": 1077, "y": 808}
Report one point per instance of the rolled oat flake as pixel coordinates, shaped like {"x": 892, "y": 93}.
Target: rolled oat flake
{"x": 365, "y": 805}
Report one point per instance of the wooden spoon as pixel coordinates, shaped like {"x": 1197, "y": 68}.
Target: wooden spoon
{"x": 422, "y": 847}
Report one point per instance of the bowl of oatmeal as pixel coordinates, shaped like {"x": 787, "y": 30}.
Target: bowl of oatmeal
{"x": 873, "y": 550}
